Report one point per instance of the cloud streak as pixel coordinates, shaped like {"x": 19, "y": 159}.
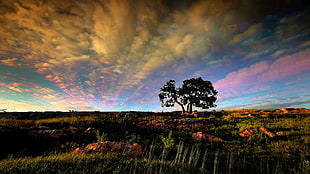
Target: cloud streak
{"x": 105, "y": 54}
{"x": 267, "y": 71}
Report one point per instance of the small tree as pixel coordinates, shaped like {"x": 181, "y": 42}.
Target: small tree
{"x": 194, "y": 92}
{"x": 199, "y": 93}
{"x": 169, "y": 95}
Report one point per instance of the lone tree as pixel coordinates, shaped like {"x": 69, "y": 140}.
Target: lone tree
{"x": 194, "y": 92}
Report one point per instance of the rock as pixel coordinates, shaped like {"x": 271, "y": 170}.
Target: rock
{"x": 203, "y": 136}
{"x": 177, "y": 124}
{"x": 54, "y": 133}
{"x": 268, "y": 132}
{"x": 44, "y": 127}
{"x": 132, "y": 150}
{"x": 89, "y": 131}
{"x": 131, "y": 114}
{"x": 72, "y": 129}
{"x": 247, "y": 132}
{"x": 198, "y": 136}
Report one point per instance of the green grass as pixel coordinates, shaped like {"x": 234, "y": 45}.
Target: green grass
{"x": 166, "y": 151}
{"x": 94, "y": 163}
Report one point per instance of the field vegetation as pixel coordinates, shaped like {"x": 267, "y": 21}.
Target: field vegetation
{"x": 166, "y": 150}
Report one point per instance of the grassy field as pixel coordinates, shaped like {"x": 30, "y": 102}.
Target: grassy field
{"x": 166, "y": 150}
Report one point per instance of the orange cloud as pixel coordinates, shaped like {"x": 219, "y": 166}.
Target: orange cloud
{"x": 15, "y": 84}
{"x": 11, "y": 62}
{"x": 15, "y": 89}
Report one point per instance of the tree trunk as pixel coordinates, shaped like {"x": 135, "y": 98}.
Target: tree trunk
{"x": 187, "y": 108}
{"x": 182, "y": 106}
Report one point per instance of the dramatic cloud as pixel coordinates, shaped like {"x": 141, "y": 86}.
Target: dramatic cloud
{"x": 116, "y": 54}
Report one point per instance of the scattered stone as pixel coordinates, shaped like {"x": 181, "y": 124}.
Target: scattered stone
{"x": 73, "y": 129}
{"x": 54, "y": 133}
{"x": 89, "y": 131}
{"x": 132, "y": 150}
{"x": 268, "y": 132}
{"x": 199, "y": 136}
{"x": 47, "y": 132}
{"x": 248, "y": 132}
{"x": 177, "y": 124}
{"x": 44, "y": 127}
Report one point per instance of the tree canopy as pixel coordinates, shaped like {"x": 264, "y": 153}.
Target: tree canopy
{"x": 194, "y": 92}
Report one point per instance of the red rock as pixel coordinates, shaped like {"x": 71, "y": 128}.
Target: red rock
{"x": 247, "y": 132}
{"x": 268, "y": 132}
{"x": 203, "y": 136}
{"x": 212, "y": 138}
{"x": 132, "y": 150}
{"x": 78, "y": 150}
{"x": 198, "y": 136}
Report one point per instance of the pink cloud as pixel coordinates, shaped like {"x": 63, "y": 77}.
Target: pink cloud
{"x": 61, "y": 85}
{"x": 55, "y": 79}
{"x": 243, "y": 77}
{"x": 11, "y": 74}
{"x": 3, "y": 84}
{"x": 91, "y": 95}
{"x": 15, "y": 84}
{"x": 36, "y": 94}
{"x": 27, "y": 90}
{"x": 288, "y": 66}
{"x": 266, "y": 71}
{"x": 35, "y": 85}
{"x": 70, "y": 93}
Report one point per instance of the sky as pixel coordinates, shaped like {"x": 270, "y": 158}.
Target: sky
{"x": 115, "y": 55}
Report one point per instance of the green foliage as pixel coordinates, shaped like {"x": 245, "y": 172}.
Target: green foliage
{"x": 132, "y": 138}
{"x": 8, "y": 123}
{"x": 101, "y": 136}
{"x": 168, "y": 141}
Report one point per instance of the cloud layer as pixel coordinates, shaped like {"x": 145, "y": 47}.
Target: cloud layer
{"x": 115, "y": 55}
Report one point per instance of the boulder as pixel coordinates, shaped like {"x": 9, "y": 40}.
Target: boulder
{"x": 268, "y": 132}
{"x": 89, "y": 131}
{"x": 203, "y": 136}
{"x": 247, "y": 132}
{"x": 54, "y": 133}
{"x": 131, "y": 150}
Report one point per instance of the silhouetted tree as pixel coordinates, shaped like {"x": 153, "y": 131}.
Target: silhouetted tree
{"x": 194, "y": 92}
{"x": 169, "y": 95}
